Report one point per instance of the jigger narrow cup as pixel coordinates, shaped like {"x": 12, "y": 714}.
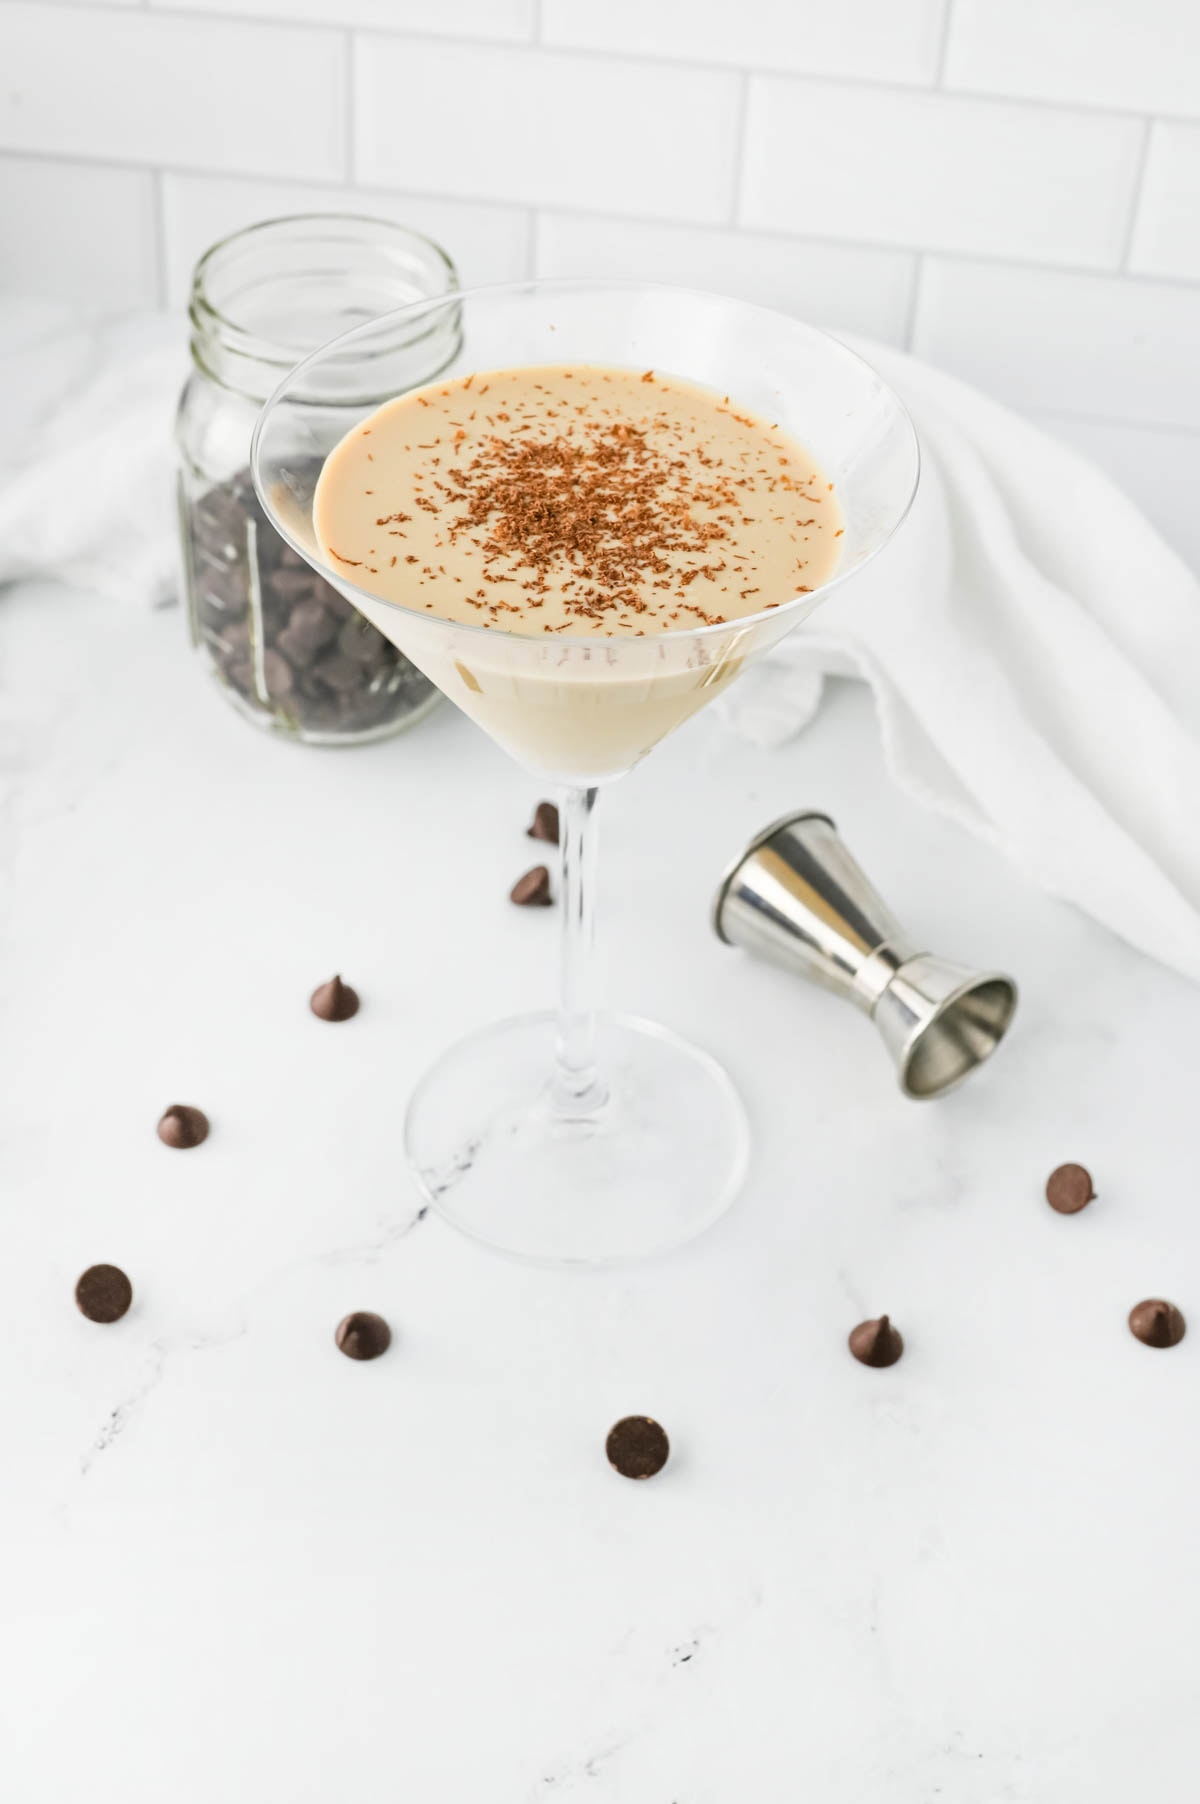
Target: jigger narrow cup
{"x": 797, "y": 897}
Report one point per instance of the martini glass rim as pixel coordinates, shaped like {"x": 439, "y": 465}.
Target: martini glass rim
{"x": 456, "y": 299}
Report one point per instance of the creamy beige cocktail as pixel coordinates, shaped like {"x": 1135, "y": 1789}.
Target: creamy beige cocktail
{"x": 599, "y": 516}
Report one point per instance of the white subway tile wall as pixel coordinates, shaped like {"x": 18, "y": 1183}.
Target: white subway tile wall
{"x": 547, "y": 128}
{"x": 1067, "y": 343}
{"x": 873, "y": 40}
{"x": 488, "y": 244}
{"x": 1143, "y": 58}
{"x": 160, "y": 89}
{"x": 993, "y": 178}
{"x": 835, "y": 285}
{"x": 1011, "y": 190}
{"x": 510, "y": 21}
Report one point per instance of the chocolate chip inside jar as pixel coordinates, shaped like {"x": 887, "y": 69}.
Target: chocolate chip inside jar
{"x": 296, "y": 654}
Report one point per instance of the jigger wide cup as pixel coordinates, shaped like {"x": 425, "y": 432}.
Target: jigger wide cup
{"x": 797, "y": 897}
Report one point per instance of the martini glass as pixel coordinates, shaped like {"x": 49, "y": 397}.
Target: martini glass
{"x": 575, "y": 1135}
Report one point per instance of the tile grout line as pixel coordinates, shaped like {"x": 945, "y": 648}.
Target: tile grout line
{"x": 1104, "y": 272}
{"x": 914, "y": 295}
{"x": 1135, "y": 199}
{"x": 159, "y": 179}
{"x": 741, "y": 116}
{"x": 939, "y": 75}
{"x": 349, "y": 87}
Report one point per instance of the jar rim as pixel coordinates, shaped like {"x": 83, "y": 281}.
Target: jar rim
{"x": 212, "y": 321}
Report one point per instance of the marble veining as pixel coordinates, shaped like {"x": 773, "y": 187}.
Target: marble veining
{"x": 239, "y": 1566}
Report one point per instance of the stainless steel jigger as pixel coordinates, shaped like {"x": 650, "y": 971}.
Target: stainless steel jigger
{"x": 797, "y": 897}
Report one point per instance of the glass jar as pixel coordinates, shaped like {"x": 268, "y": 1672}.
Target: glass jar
{"x": 284, "y": 647}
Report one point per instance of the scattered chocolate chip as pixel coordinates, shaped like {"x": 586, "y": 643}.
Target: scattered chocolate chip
{"x": 181, "y": 1125}
{"x": 363, "y": 1335}
{"x": 637, "y": 1447}
{"x": 1069, "y": 1189}
{"x": 103, "y": 1293}
{"x": 1156, "y": 1323}
{"x": 545, "y": 823}
{"x": 334, "y": 1001}
{"x": 876, "y": 1343}
{"x": 533, "y": 889}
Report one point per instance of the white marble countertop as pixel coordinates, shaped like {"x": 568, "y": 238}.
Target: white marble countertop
{"x": 238, "y": 1566}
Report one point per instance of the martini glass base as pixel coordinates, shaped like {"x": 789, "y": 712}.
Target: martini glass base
{"x": 661, "y": 1158}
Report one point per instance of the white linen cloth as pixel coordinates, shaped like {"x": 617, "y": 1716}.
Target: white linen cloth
{"x": 1032, "y": 645}
{"x": 87, "y": 462}
{"x": 1034, "y": 652}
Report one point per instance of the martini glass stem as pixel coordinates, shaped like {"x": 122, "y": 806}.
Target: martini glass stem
{"x": 578, "y": 1088}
